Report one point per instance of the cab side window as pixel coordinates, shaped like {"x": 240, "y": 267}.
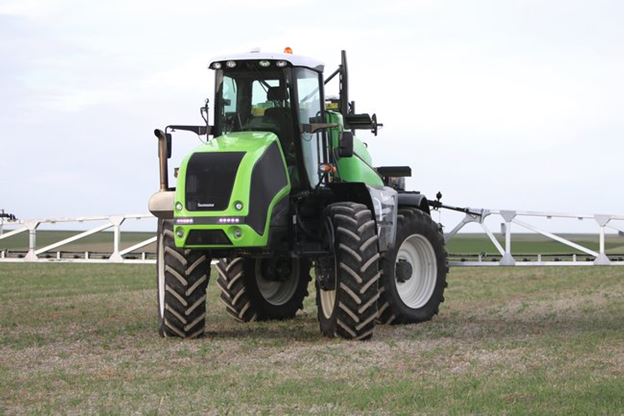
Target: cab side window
{"x": 309, "y": 105}
{"x": 229, "y": 95}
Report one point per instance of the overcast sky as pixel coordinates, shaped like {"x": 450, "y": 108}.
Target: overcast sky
{"x": 499, "y": 104}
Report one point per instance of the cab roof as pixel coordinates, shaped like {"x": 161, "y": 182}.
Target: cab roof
{"x": 294, "y": 60}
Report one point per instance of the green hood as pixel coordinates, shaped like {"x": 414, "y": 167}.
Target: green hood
{"x": 244, "y": 170}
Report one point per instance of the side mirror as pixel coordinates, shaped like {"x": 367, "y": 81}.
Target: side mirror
{"x": 204, "y": 111}
{"x": 168, "y": 140}
{"x": 346, "y": 144}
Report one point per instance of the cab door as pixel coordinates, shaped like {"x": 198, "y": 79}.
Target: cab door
{"x": 309, "y": 87}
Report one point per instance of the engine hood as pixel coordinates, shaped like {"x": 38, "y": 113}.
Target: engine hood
{"x": 233, "y": 179}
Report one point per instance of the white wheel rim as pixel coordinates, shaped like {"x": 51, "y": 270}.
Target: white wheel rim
{"x": 418, "y": 289}
{"x": 277, "y": 292}
{"x": 328, "y": 299}
{"x": 161, "y": 275}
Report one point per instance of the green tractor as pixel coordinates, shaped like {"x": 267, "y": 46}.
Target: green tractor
{"x": 280, "y": 190}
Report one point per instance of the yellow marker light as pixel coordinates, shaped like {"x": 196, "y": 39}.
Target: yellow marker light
{"x": 288, "y": 50}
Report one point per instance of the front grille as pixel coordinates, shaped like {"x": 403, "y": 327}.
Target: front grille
{"x": 210, "y": 178}
{"x": 207, "y": 237}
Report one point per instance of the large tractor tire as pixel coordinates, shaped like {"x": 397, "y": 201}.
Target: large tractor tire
{"x": 347, "y": 285}
{"x": 181, "y": 278}
{"x": 263, "y": 288}
{"x": 414, "y": 272}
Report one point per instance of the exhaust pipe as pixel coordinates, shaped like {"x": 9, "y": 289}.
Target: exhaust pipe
{"x": 164, "y": 142}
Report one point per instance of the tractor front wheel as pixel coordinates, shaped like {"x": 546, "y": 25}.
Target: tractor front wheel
{"x": 181, "y": 280}
{"x": 347, "y": 283}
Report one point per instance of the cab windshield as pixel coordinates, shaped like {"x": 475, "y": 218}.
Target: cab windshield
{"x": 253, "y": 100}
{"x": 249, "y": 98}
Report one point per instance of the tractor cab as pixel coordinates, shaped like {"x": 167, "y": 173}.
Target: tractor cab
{"x": 278, "y": 93}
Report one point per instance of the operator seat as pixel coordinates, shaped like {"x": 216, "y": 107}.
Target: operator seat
{"x": 280, "y": 118}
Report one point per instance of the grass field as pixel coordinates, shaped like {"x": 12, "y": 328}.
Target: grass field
{"x": 82, "y": 339}
{"x": 460, "y": 244}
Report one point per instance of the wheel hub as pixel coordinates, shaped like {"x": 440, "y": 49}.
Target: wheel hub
{"x": 277, "y": 279}
{"x": 416, "y": 265}
{"x": 403, "y": 270}
{"x": 277, "y": 270}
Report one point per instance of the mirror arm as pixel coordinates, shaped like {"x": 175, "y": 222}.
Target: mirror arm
{"x": 315, "y": 127}
{"x": 199, "y": 130}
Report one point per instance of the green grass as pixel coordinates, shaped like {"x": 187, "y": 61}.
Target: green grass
{"x": 82, "y": 339}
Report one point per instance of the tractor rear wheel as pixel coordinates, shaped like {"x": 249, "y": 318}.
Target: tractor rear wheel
{"x": 347, "y": 283}
{"x": 414, "y": 272}
{"x": 263, "y": 288}
{"x": 181, "y": 279}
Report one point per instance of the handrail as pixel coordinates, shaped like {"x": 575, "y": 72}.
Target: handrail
{"x": 509, "y": 217}
{"x": 111, "y": 221}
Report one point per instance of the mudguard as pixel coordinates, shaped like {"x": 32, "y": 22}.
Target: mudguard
{"x": 414, "y": 199}
{"x": 382, "y": 201}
